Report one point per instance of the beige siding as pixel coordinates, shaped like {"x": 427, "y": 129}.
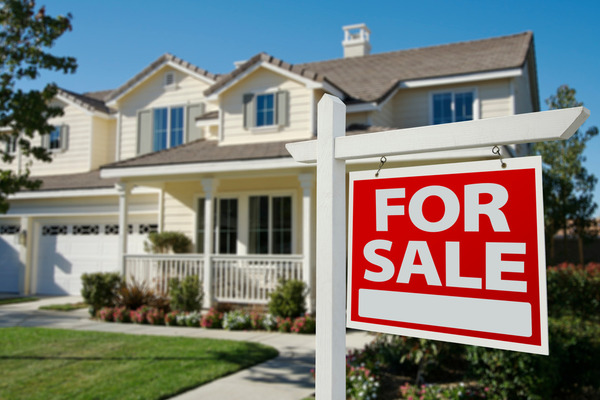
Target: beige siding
{"x": 180, "y": 208}
{"x": 385, "y": 116}
{"x": 522, "y": 88}
{"x": 495, "y": 99}
{"x": 411, "y": 108}
{"x": 358, "y": 118}
{"x": 263, "y": 80}
{"x": 152, "y": 93}
{"x": 103, "y": 142}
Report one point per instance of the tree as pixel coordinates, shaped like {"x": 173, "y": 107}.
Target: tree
{"x": 568, "y": 187}
{"x": 26, "y": 35}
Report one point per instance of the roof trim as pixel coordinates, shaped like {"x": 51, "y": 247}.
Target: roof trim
{"x": 155, "y": 66}
{"x": 88, "y": 104}
{"x": 464, "y": 78}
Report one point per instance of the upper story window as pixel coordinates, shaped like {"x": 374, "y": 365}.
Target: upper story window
{"x": 57, "y": 139}
{"x": 11, "y": 145}
{"x": 166, "y": 127}
{"x": 265, "y": 110}
{"x": 453, "y": 106}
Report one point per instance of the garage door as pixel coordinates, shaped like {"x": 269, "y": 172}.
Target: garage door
{"x": 9, "y": 258}
{"x": 66, "y": 251}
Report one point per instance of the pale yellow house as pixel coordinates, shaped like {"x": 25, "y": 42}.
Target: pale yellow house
{"x": 177, "y": 148}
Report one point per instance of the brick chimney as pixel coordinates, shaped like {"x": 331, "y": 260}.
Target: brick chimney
{"x": 356, "y": 40}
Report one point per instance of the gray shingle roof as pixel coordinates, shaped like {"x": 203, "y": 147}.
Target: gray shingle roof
{"x": 86, "y": 180}
{"x": 371, "y": 78}
{"x": 86, "y": 101}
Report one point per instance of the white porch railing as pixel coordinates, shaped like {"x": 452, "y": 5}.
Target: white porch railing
{"x": 237, "y": 279}
{"x": 250, "y": 279}
{"x": 156, "y": 270}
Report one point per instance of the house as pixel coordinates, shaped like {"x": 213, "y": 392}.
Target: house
{"x": 177, "y": 148}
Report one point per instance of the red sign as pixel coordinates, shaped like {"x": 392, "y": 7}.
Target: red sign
{"x": 450, "y": 252}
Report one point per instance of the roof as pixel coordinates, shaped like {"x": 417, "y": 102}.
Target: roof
{"x": 203, "y": 150}
{"x": 159, "y": 62}
{"x": 86, "y": 180}
{"x": 90, "y": 103}
{"x": 370, "y": 78}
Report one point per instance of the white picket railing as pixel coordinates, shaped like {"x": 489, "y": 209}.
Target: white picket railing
{"x": 238, "y": 279}
{"x": 156, "y": 270}
{"x": 250, "y": 279}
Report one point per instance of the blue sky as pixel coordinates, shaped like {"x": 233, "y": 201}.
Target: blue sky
{"x": 113, "y": 40}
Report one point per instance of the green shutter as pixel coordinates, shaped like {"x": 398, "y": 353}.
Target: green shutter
{"x": 192, "y": 132}
{"x": 282, "y": 108}
{"x": 64, "y": 137}
{"x": 249, "y": 111}
{"x": 145, "y": 138}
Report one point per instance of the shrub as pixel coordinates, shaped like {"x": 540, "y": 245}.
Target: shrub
{"x": 155, "y": 316}
{"x": 106, "y": 314}
{"x": 269, "y": 322}
{"x": 100, "y": 290}
{"x": 138, "y": 316}
{"x": 171, "y": 318}
{"x": 236, "y": 320}
{"x": 256, "y": 320}
{"x": 574, "y": 290}
{"x": 287, "y": 300}
{"x": 121, "y": 314}
{"x": 186, "y": 295}
{"x": 165, "y": 242}
{"x": 213, "y": 319}
{"x": 434, "y": 392}
{"x": 193, "y": 319}
{"x": 306, "y": 324}
{"x": 135, "y": 295}
{"x": 284, "y": 324}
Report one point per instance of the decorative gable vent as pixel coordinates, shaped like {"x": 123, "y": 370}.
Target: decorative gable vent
{"x": 170, "y": 79}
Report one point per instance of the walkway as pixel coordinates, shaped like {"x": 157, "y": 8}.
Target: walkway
{"x": 284, "y": 377}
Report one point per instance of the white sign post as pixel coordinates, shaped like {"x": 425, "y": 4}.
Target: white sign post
{"x": 333, "y": 148}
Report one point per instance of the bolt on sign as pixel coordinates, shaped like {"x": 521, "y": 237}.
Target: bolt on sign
{"x": 451, "y": 252}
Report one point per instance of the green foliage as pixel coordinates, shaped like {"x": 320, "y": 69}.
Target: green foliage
{"x": 574, "y": 290}
{"x": 100, "y": 290}
{"x": 165, "y": 242}
{"x": 570, "y": 371}
{"x": 568, "y": 187}
{"x": 26, "y": 35}
{"x": 186, "y": 295}
{"x": 287, "y": 300}
{"x": 236, "y": 320}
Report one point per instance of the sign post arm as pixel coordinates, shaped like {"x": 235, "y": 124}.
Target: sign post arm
{"x": 331, "y": 253}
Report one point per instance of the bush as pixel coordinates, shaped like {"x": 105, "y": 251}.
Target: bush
{"x": 193, "y": 319}
{"x": 269, "y": 322}
{"x": 213, "y": 319}
{"x": 236, "y": 321}
{"x": 164, "y": 242}
{"x": 100, "y": 290}
{"x": 284, "y": 324}
{"x": 287, "y": 300}
{"x": 306, "y": 324}
{"x": 155, "y": 316}
{"x": 574, "y": 290}
{"x": 138, "y": 316}
{"x": 135, "y": 295}
{"x": 186, "y": 295}
{"x": 106, "y": 314}
{"x": 121, "y": 314}
{"x": 571, "y": 370}
{"x": 171, "y": 318}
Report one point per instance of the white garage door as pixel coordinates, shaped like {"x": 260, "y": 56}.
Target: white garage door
{"x": 66, "y": 251}
{"x": 9, "y": 258}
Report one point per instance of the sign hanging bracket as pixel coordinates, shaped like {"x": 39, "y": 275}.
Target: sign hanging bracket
{"x": 382, "y": 161}
{"x": 496, "y": 151}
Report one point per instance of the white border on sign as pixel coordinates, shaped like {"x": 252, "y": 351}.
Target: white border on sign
{"x": 533, "y": 162}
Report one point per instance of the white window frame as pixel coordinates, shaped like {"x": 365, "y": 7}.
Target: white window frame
{"x": 454, "y": 91}
{"x": 169, "y": 108}
{"x": 270, "y": 197}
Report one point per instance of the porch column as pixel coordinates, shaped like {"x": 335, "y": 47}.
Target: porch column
{"x": 306, "y": 182}
{"x": 209, "y": 186}
{"x": 123, "y": 191}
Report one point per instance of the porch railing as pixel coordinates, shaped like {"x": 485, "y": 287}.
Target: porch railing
{"x": 156, "y": 270}
{"x": 250, "y": 279}
{"x": 236, "y": 279}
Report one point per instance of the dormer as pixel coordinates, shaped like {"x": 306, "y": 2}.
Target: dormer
{"x": 356, "y": 40}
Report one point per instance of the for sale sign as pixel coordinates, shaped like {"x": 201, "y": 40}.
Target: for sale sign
{"x": 451, "y": 252}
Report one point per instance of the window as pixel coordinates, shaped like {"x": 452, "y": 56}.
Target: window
{"x": 57, "y": 139}
{"x": 226, "y": 224}
{"x": 265, "y": 109}
{"x": 270, "y": 225}
{"x": 453, "y": 107}
{"x": 168, "y": 128}
{"x": 11, "y": 145}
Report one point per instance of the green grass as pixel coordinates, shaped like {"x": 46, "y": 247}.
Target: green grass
{"x": 38, "y": 363}
{"x": 64, "y": 307}
{"x": 14, "y": 300}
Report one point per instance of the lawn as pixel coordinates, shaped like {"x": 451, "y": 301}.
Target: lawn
{"x": 14, "y": 300}
{"x": 38, "y": 363}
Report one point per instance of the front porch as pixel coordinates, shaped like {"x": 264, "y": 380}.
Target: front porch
{"x": 233, "y": 279}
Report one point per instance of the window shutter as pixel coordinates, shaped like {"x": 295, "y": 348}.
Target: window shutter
{"x": 64, "y": 137}
{"x": 193, "y": 132}
{"x": 249, "y": 110}
{"x": 144, "y": 131}
{"x": 46, "y": 141}
{"x": 282, "y": 108}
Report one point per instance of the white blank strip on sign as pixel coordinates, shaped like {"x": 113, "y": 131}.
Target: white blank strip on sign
{"x": 493, "y": 316}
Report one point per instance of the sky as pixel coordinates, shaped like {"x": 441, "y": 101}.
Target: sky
{"x": 114, "y": 39}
